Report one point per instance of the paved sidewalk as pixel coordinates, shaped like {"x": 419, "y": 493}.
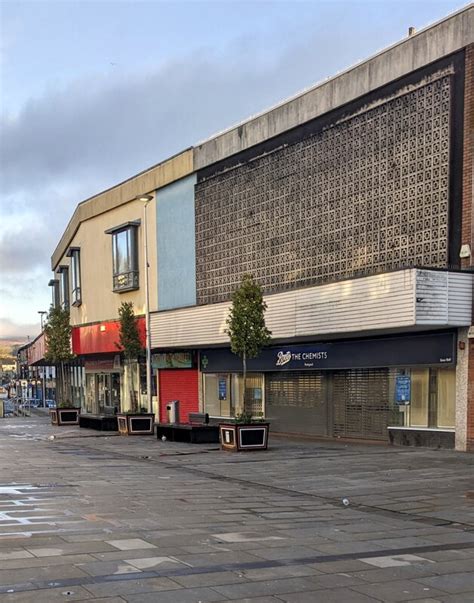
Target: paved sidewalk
{"x": 98, "y": 517}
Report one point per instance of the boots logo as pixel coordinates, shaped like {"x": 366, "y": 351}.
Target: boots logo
{"x": 283, "y": 358}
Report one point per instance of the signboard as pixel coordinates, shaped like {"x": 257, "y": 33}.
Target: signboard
{"x": 172, "y": 360}
{"x": 222, "y": 386}
{"x": 413, "y": 350}
{"x": 403, "y": 389}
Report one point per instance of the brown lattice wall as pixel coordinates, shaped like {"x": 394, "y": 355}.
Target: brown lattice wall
{"x": 369, "y": 193}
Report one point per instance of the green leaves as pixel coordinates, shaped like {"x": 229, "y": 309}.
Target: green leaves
{"x": 129, "y": 338}
{"x": 246, "y": 322}
{"x": 57, "y": 333}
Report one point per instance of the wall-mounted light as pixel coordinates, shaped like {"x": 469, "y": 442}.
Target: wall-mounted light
{"x": 102, "y": 328}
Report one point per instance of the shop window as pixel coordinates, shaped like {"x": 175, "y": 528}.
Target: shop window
{"x": 446, "y": 390}
{"x": 420, "y": 384}
{"x": 125, "y": 257}
{"x": 223, "y": 394}
{"x": 433, "y": 398}
{"x": 76, "y": 297}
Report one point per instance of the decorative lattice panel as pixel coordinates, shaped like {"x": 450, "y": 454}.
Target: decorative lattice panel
{"x": 368, "y": 194}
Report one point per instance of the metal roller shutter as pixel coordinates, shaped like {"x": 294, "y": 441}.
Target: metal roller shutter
{"x": 296, "y": 402}
{"x": 362, "y": 403}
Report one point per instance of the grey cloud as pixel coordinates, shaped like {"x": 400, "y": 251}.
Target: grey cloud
{"x": 73, "y": 142}
{"x": 9, "y": 328}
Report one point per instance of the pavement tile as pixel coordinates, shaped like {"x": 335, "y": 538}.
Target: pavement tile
{"x": 77, "y": 593}
{"x": 399, "y": 590}
{"x": 130, "y": 544}
{"x": 134, "y": 586}
{"x": 453, "y": 583}
{"x": 192, "y": 595}
{"x": 210, "y": 579}
{"x": 265, "y": 587}
{"x": 336, "y": 595}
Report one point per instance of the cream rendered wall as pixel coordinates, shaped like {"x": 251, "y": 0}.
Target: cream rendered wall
{"x": 99, "y": 302}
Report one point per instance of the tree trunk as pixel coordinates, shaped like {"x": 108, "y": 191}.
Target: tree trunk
{"x": 133, "y": 404}
{"x": 244, "y": 363}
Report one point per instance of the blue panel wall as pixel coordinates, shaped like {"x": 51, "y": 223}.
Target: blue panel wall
{"x": 176, "y": 244}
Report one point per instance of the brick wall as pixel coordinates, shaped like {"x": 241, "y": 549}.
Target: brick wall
{"x": 182, "y": 385}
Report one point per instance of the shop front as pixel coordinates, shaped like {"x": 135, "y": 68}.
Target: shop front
{"x": 363, "y": 389}
{"x": 178, "y": 385}
{"x": 111, "y": 385}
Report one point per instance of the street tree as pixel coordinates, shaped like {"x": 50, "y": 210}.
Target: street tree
{"x": 57, "y": 332}
{"x": 246, "y": 328}
{"x": 130, "y": 345}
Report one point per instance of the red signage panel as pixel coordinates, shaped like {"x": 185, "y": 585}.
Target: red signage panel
{"x": 102, "y": 338}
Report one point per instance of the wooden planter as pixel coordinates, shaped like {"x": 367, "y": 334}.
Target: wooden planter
{"x": 136, "y": 424}
{"x": 64, "y": 416}
{"x": 244, "y": 436}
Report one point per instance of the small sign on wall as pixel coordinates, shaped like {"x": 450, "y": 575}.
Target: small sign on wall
{"x": 222, "y": 387}
{"x": 403, "y": 389}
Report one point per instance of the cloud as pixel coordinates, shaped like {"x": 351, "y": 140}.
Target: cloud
{"x": 78, "y": 139}
{"x": 11, "y": 329}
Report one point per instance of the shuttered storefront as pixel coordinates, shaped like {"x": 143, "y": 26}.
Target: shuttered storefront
{"x": 297, "y": 402}
{"x": 361, "y": 400}
{"x": 351, "y": 403}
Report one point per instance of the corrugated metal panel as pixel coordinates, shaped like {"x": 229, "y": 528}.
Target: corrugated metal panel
{"x": 443, "y": 298}
{"x": 381, "y": 301}
{"x": 374, "y": 302}
{"x": 460, "y": 298}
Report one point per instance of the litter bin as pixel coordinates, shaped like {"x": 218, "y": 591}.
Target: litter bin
{"x": 172, "y": 411}
{"x": 2, "y": 410}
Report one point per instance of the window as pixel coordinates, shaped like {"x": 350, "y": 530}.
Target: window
{"x": 64, "y": 287}
{"x": 223, "y": 394}
{"x": 76, "y": 297}
{"x": 125, "y": 256}
{"x": 54, "y": 284}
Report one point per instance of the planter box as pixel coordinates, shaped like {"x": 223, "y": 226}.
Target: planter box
{"x": 136, "y": 424}
{"x": 244, "y": 436}
{"x": 64, "y": 416}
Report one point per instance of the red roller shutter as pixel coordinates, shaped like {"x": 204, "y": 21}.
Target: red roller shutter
{"x": 182, "y": 385}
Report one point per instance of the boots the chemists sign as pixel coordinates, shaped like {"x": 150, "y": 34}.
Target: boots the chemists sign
{"x": 425, "y": 350}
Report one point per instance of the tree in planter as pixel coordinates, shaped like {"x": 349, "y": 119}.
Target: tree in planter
{"x": 57, "y": 332}
{"x": 130, "y": 344}
{"x": 246, "y": 323}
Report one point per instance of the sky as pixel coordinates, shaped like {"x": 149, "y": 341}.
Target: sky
{"x": 92, "y": 93}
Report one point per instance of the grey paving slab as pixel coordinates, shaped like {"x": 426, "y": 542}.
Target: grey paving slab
{"x": 453, "y": 583}
{"x": 399, "y": 590}
{"x": 336, "y": 595}
{"x": 191, "y": 595}
{"x": 209, "y": 526}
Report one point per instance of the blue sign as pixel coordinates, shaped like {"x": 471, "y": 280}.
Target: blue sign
{"x": 223, "y": 388}
{"x": 403, "y": 389}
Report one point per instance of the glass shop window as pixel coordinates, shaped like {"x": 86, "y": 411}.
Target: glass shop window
{"x": 223, "y": 394}
{"x": 433, "y": 398}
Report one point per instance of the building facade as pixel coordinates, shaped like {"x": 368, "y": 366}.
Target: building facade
{"x": 351, "y": 205}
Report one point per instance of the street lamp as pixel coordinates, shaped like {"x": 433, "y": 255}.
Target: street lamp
{"x": 42, "y": 313}
{"x": 146, "y": 200}
{"x": 43, "y": 371}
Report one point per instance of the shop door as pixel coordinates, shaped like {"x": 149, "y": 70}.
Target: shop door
{"x": 361, "y": 403}
{"x": 108, "y": 393}
{"x": 296, "y": 402}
